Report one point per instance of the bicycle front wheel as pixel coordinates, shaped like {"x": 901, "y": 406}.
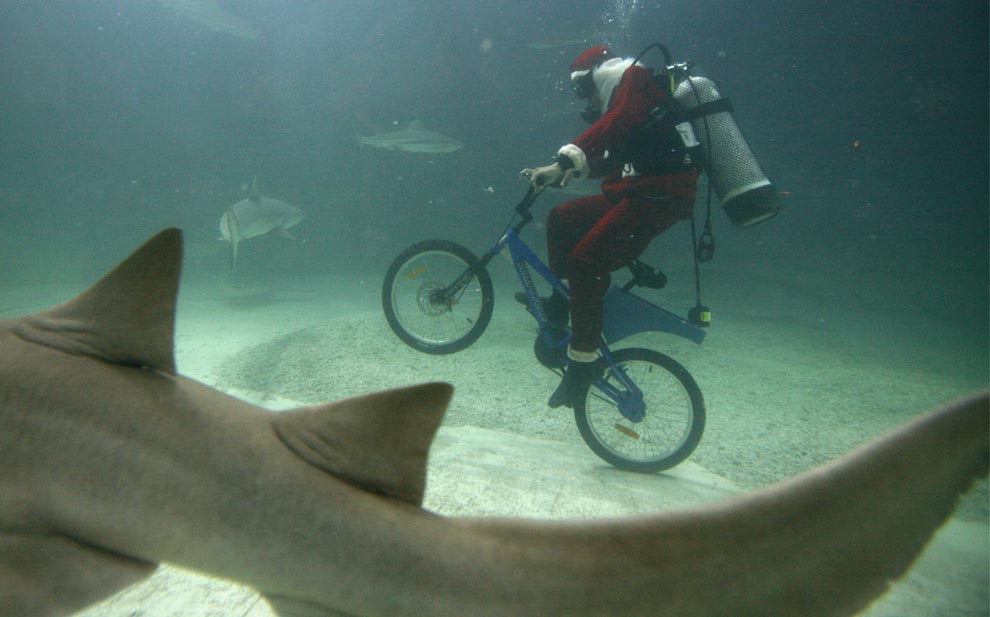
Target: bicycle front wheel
{"x": 425, "y": 308}
{"x": 661, "y": 396}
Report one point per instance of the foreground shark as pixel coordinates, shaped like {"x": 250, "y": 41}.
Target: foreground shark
{"x": 413, "y": 138}
{"x": 111, "y": 463}
{"x": 256, "y": 216}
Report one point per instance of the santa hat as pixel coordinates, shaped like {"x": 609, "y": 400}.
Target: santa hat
{"x": 590, "y": 59}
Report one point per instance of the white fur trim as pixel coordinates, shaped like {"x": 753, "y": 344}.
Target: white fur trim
{"x": 578, "y": 74}
{"x": 581, "y": 356}
{"x": 607, "y": 76}
{"x": 577, "y": 157}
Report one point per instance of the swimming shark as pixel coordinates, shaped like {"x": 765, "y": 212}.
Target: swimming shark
{"x": 559, "y": 42}
{"x": 111, "y": 463}
{"x": 208, "y": 13}
{"x": 256, "y": 216}
{"x": 414, "y": 138}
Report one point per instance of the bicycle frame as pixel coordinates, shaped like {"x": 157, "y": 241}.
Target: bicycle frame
{"x": 523, "y": 258}
{"x": 624, "y": 314}
{"x": 645, "y": 413}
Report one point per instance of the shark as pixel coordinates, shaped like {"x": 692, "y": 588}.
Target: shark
{"x": 209, "y": 14}
{"x": 256, "y": 216}
{"x": 414, "y": 138}
{"x": 560, "y": 42}
{"x": 111, "y": 463}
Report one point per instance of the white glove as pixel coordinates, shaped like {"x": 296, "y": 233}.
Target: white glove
{"x": 551, "y": 175}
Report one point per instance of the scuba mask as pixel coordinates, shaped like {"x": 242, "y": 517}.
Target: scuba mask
{"x": 583, "y": 85}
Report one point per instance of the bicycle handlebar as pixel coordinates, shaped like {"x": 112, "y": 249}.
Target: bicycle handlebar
{"x": 522, "y": 208}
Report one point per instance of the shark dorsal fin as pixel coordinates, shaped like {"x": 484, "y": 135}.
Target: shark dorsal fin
{"x": 255, "y": 193}
{"x": 127, "y": 317}
{"x": 379, "y": 442}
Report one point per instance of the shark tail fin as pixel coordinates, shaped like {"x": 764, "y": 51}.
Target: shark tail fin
{"x": 861, "y": 521}
{"x": 379, "y": 442}
{"x": 127, "y": 317}
{"x": 831, "y": 540}
{"x": 823, "y": 544}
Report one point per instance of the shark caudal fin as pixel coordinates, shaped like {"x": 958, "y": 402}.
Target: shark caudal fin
{"x": 828, "y": 542}
{"x": 840, "y": 534}
{"x": 127, "y": 317}
{"x": 379, "y": 442}
{"x": 822, "y": 544}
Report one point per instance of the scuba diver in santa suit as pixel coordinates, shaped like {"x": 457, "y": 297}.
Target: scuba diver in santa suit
{"x": 649, "y": 180}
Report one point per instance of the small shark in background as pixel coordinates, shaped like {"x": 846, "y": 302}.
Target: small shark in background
{"x": 256, "y": 216}
{"x": 413, "y": 138}
{"x": 208, "y": 14}
{"x": 560, "y": 42}
{"x": 111, "y": 462}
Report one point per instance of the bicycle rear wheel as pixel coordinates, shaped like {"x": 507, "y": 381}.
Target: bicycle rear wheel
{"x": 671, "y": 407}
{"x": 422, "y": 307}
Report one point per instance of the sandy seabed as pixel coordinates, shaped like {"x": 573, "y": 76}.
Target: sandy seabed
{"x": 783, "y": 394}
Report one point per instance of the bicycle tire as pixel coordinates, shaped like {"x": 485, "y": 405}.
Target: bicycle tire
{"x": 671, "y": 428}
{"x": 420, "y": 322}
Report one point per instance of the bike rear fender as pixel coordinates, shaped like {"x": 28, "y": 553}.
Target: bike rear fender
{"x": 625, "y": 314}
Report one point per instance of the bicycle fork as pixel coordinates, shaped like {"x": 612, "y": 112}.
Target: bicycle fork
{"x": 623, "y": 391}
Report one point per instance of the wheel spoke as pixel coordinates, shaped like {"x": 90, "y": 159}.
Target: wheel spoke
{"x": 672, "y": 420}
{"x": 420, "y": 307}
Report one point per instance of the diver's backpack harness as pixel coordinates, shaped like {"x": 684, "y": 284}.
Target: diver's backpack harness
{"x": 703, "y": 118}
{"x": 747, "y": 196}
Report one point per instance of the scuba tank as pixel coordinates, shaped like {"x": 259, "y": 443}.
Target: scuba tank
{"x": 746, "y": 194}
{"x": 703, "y": 119}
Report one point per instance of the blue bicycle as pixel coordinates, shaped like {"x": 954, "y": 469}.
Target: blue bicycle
{"x": 645, "y": 414}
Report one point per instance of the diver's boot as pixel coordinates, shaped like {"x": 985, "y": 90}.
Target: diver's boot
{"x": 578, "y": 377}
{"x": 556, "y": 307}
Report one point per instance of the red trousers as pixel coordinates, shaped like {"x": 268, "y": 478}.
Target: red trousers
{"x": 590, "y": 237}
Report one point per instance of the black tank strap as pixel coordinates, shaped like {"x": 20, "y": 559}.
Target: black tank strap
{"x": 705, "y": 109}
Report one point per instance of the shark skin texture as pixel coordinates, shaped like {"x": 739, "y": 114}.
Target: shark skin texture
{"x": 111, "y": 463}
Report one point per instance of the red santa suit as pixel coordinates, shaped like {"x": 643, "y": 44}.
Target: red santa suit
{"x": 647, "y": 186}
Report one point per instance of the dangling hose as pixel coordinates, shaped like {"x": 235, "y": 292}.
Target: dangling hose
{"x": 703, "y": 245}
{"x": 700, "y": 315}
